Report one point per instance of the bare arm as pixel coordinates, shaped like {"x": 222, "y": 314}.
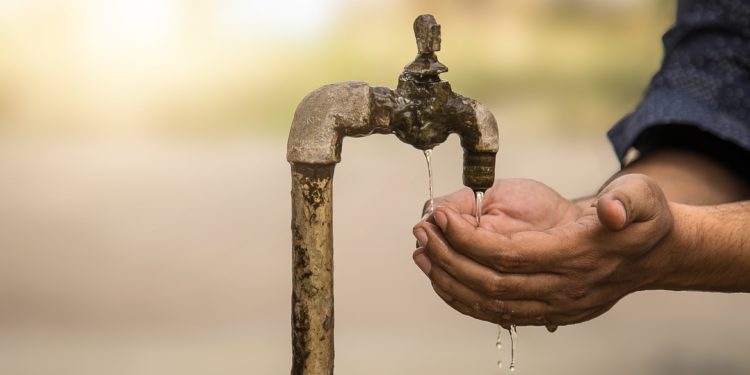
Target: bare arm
{"x": 707, "y": 250}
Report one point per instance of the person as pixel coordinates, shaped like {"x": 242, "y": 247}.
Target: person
{"x": 675, "y": 217}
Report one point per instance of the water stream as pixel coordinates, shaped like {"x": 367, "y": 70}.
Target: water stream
{"x": 513, "y": 339}
{"x": 479, "y": 198}
{"x": 428, "y": 158}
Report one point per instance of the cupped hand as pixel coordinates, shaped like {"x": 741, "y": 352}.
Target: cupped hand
{"x": 538, "y": 259}
{"x": 511, "y": 206}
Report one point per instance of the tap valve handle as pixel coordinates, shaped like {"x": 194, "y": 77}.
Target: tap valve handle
{"x": 426, "y": 65}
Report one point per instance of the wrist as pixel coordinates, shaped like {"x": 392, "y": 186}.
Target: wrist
{"x": 664, "y": 266}
{"x": 705, "y": 251}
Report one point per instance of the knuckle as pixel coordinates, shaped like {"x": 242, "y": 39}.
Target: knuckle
{"x": 569, "y": 298}
{"x": 576, "y": 294}
{"x": 508, "y": 261}
{"x": 440, "y": 281}
{"x": 445, "y": 260}
{"x": 647, "y": 183}
{"x": 497, "y": 287}
{"x": 500, "y": 308}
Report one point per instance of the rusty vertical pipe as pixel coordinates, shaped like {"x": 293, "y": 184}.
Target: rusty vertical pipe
{"x": 312, "y": 269}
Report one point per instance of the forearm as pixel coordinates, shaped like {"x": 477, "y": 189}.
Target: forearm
{"x": 708, "y": 249}
{"x": 685, "y": 177}
{"x": 690, "y": 178}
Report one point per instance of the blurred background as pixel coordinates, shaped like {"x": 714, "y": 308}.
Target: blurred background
{"x": 144, "y": 192}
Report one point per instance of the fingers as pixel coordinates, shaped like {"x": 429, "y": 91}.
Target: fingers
{"x": 506, "y": 299}
{"x": 523, "y": 252}
{"x": 480, "y": 278}
{"x": 628, "y": 199}
{"x": 507, "y": 312}
{"x": 469, "y": 302}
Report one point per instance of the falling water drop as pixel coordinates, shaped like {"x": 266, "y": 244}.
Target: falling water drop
{"x": 513, "y": 339}
{"x": 479, "y": 197}
{"x": 499, "y": 342}
{"x": 428, "y": 158}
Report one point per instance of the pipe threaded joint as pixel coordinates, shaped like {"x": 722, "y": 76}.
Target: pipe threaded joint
{"x": 479, "y": 170}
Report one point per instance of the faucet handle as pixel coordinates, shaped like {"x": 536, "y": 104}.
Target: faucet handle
{"x": 427, "y": 32}
{"x": 426, "y": 64}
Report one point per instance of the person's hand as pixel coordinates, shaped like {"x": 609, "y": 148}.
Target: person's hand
{"x": 511, "y": 206}
{"x": 550, "y": 263}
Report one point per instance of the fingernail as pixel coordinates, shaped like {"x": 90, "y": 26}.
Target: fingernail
{"x": 622, "y": 207}
{"x": 440, "y": 219}
{"x": 421, "y": 236}
{"x": 423, "y": 263}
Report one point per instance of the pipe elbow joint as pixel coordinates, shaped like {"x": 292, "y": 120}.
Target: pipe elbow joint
{"x": 325, "y": 116}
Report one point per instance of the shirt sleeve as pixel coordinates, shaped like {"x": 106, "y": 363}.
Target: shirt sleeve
{"x": 700, "y": 97}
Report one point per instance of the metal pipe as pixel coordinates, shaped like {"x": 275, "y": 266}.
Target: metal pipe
{"x": 422, "y": 111}
{"x": 312, "y": 268}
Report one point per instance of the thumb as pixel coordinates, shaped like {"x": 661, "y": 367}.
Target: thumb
{"x": 627, "y": 199}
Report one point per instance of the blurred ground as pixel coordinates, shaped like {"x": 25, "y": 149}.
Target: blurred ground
{"x": 134, "y": 257}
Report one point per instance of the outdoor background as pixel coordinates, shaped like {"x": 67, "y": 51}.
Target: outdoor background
{"x": 144, "y": 192}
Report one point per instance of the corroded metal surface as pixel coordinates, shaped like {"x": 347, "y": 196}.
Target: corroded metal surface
{"x": 324, "y": 117}
{"x": 312, "y": 269}
{"x": 422, "y": 111}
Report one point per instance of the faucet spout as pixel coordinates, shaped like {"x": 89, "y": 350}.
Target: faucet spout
{"x": 422, "y": 111}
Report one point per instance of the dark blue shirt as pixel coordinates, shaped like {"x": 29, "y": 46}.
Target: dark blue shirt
{"x": 700, "y": 97}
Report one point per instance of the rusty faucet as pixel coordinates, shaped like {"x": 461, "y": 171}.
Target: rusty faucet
{"x": 422, "y": 111}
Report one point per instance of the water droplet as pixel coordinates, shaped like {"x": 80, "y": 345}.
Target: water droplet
{"x": 551, "y": 328}
{"x": 513, "y": 340}
{"x": 499, "y": 364}
{"x": 499, "y": 340}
